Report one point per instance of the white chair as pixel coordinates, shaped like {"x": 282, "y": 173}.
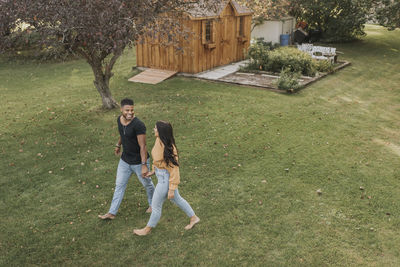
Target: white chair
{"x": 324, "y": 53}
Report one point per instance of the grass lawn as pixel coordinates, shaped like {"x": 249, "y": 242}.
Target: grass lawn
{"x": 251, "y": 159}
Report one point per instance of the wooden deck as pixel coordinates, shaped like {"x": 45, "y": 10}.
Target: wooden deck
{"x": 152, "y": 76}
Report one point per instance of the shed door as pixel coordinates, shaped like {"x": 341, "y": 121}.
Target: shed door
{"x": 228, "y": 37}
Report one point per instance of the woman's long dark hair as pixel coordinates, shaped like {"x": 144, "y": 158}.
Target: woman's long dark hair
{"x": 166, "y": 136}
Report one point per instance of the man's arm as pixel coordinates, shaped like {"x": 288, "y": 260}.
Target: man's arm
{"x": 117, "y": 149}
{"x": 143, "y": 153}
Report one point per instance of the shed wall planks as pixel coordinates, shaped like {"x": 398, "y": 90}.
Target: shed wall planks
{"x": 198, "y": 55}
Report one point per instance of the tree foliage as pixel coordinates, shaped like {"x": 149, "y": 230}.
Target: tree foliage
{"x": 267, "y": 9}
{"x": 97, "y": 30}
{"x": 388, "y": 13}
{"x": 338, "y": 20}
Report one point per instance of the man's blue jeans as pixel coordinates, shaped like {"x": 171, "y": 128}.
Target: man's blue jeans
{"x": 124, "y": 172}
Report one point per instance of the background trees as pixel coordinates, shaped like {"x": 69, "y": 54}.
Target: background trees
{"x": 97, "y": 30}
{"x": 267, "y": 9}
{"x": 338, "y": 20}
{"x": 388, "y": 13}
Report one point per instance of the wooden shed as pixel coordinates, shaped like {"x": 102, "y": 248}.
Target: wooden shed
{"x": 219, "y": 38}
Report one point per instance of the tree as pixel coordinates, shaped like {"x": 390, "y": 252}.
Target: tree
{"x": 338, "y": 20}
{"x": 97, "y": 30}
{"x": 388, "y": 13}
{"x": 267, "y": 9}
{"x": 7, "y": 19}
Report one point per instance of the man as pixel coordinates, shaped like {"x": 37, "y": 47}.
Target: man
{"x": 134, "y": 157}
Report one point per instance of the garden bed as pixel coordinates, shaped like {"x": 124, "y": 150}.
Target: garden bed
{"x": 268, "y": 79}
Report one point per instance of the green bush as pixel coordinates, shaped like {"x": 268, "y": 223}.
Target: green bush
{"x": 258, "y": 53}
{"x": 267, "y": 58}
{"x": 323, "y": 65}
{"x": 288, "y": 80}
{"x": 290, "y": 58}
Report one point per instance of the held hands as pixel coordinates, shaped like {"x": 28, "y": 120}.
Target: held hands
{"x": 145, "y": 171}
{"x": 149, "y": 174}
{"x": 171, "y": 194}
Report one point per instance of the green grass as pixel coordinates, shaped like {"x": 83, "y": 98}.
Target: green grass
{"x": 258, "y": 204}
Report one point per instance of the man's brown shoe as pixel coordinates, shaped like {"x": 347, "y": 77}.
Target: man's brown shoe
{"x": 107, "y": 216}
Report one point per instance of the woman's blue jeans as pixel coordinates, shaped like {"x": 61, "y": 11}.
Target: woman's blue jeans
{"x": 124, "y": 172}
{"x": 161, "y": 194}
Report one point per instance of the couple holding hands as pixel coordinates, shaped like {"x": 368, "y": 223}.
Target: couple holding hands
{"x": 135, "y": 159}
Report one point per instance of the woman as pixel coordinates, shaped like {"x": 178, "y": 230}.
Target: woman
{"x": 166, "y": 168}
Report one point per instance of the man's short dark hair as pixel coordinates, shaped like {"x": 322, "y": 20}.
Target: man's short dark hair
{"x": 126, "y": 101}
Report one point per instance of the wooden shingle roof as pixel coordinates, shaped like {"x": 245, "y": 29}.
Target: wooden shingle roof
{"x": 199, "y": 10}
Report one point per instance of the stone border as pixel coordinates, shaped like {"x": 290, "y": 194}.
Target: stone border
{"x": 343, "y": 64}
{"x": 275, "y": 89}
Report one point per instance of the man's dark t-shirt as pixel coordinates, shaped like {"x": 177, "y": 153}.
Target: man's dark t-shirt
{"x": 130, "y": 144}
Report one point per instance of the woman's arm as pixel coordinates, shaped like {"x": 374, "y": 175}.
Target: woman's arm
{"x": 174, "y": 180}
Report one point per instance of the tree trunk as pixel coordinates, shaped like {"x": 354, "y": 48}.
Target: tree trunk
{"x": 102, "y": 85}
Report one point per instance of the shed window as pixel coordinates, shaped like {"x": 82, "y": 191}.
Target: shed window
{"x": 208, "y": 31}
{"x": 241, "y": 27}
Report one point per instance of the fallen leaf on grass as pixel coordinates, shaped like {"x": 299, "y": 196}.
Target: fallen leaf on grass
{"x": 319, "y": 192}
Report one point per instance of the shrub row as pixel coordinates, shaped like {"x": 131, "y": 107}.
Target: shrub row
{"x": 262, "y": 57}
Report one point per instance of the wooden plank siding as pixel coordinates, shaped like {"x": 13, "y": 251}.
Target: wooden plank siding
{"x": 225, "y": 45}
